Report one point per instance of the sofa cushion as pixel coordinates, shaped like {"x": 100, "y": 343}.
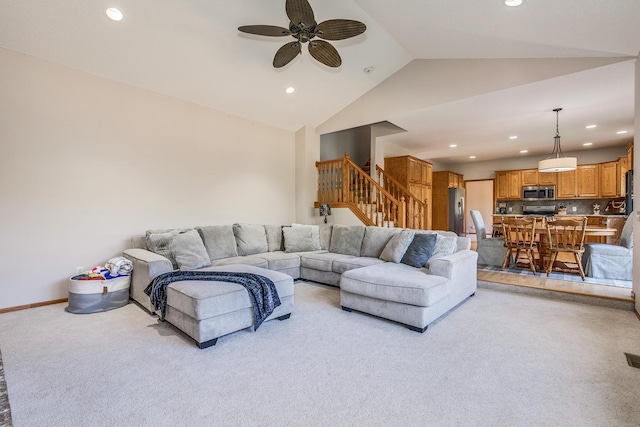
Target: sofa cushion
{"x": 375, "y": 239}
{"x": 420, "y": 250}
{"x": 347, "y": 239}
{"x": 219, "y": 241}
{"x": 274, "y": 237}
{"x": 244, "y": 260}
{"x": 315, "y": 234}
{"x": 250, "y": 239}
{"x": 279, "y": 260}
{"x": 322, "y": 261}
{"x": 396, "y": 247}
{"x": 445, "y": 245}
{"x": 300, "y": 239}
{"x": 158, "y": 241}
{"x": 325, "y": 236}
{"x": 345, "y": 264}
{"x": 189, "y": 251}
{"x": 396, "y": 282}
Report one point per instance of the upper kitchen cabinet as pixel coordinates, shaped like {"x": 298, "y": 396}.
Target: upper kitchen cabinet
{"x": 567, "y": 187}
{"x": 533, "y": 177}
{"x": 610, "y": 179}
{"x": 508, "y": 185}
{"x": 588, "y": 181}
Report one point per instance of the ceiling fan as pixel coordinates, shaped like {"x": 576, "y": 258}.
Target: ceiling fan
{"x": 304, "y": 28}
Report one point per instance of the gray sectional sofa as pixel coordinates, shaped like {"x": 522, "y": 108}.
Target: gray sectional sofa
{"x": 380, "y": 271}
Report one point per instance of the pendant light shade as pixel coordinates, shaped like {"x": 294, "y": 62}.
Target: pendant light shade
{"x": 557, "y": 161}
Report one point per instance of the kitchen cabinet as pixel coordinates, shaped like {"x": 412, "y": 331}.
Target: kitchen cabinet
{"x": 529, "y": 177}
{"x": 548, "y": 178}
{"x": 567, "y": 187}
{"x": 609, "y": 179}
{"x": 623, "y": 167}
{"x": 508, "y": 185}
{"x": 588, "y": 177}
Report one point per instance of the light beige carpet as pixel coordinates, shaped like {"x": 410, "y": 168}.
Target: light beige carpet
{"x": 499, "y": 359}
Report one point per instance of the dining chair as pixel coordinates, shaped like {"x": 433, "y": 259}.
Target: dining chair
{"x": 566, "y": 236}
{"x": 490, "y": 250}
{"x": 519, "y": 237}
{"x": 606, "y": 261}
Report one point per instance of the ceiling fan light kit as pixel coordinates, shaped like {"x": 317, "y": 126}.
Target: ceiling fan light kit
{"x": 304, "y": 28}
{"x": 557, "y": 161}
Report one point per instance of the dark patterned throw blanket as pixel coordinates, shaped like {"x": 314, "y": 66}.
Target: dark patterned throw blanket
{"x": 262, "y": 291}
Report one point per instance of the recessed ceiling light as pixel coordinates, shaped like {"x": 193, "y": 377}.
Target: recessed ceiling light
{"x": 513, "y": 3}
{"x": 513, "y": 137}
{"x": 368, "y": 70}
{"x": 586, "y": 144}
{"x": 524, "y": 151}
{"x": 290, "y": 89}
{"x": 621, "y": 132}
{"x": 453, "y": 145}
{"x": 114, "y": 13}
{"x": 472, "y": 157}
{"x": 591, "y": 126}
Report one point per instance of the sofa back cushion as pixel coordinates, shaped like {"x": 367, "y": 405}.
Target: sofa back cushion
{"x": 250, "y": 239}
{"x": 375, "y": 239}
{"x": 325, "y": 236}
{"x": 274, "y": 237}
{"x": 219, "y": 241}
{"x": 347, "y": 239}
{"x": 299, "y": 239}
{"x": 315, "y": 235}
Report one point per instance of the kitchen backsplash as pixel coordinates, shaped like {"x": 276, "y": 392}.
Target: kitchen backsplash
{"x": 583, "y": 206}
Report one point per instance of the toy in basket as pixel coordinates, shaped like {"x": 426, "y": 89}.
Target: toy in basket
{"x": 102, "y": 288}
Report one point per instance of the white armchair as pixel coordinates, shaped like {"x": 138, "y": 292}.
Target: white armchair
{"x": 604, "y": 261}
{"x": 491, "y": 251}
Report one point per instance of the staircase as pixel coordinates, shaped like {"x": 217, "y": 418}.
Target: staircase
{"x": 343, "y": 184}
{"x": 416, "y": 210}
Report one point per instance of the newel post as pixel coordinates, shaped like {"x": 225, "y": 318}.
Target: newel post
{"x": 345, "y": 178}
{"x": 402, "y": 213}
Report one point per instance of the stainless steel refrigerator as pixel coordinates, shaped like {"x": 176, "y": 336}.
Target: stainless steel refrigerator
{"x": 456, "y": 211}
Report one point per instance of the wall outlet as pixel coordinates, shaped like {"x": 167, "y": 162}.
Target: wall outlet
{"x": 79, "y": 270}
{"x": 510, "y": 209}
{"x": 573, "y": 208}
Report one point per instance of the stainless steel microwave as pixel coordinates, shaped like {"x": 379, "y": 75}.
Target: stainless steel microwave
{"x": 539, "y": 192}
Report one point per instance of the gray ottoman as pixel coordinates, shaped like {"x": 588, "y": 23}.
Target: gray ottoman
{"x": 207, "y": 310}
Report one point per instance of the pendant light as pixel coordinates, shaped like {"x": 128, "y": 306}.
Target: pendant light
{"x": 557, "y": 161}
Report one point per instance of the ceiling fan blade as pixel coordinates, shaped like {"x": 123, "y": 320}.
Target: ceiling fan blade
{"x": 339, "y": 29}
{"x": 265, "y": 30}
{"x": 286, "y": 53}
{"x": 325, "y": 53}
{"x": 299, "y": 11}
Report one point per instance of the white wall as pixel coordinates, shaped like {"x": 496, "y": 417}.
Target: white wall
{"x": 85, "y": 163}
{"x": 636, "y": 202}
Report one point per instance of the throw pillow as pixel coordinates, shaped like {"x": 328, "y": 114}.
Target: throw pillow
{"x": 298, "y": 239}
{"x": 188, "y": 250}
{"x": 444, "y": 246}
{"x": 250, "y": 239}
{"x": 420, "y": 250}
{"x": 397, "y": 246}
{"x": 315, "y": 234}
{"x": 158, "y": 242}
{"x": 219, "y": 241}
{"x": 347, "y": 239}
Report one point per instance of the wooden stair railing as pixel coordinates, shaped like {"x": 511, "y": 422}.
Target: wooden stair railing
{"x": 342, "y": 183}
{"x": 416, "y": 209}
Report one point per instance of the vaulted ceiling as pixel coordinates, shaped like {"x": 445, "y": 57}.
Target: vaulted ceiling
{"x": 447, "y": 72}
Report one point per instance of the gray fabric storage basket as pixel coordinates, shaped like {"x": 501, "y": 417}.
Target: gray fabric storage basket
{"x": 95, "y": 296}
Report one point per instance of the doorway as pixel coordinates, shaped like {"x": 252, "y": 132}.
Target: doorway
{"x": 479, "y": 197}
